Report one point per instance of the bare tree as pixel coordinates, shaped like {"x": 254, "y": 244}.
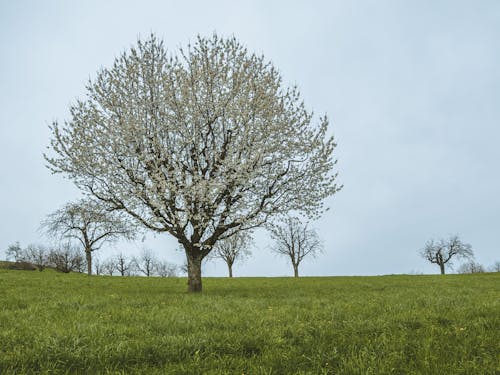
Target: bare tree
{"x": 98, "y": 265}
{"x": 165, "y": 269}
{"x": 109, "y": 266}
{"x": 295, "y": 240}
{"x": 37, "y": 255}
{"x": 232, "y": 249}
{"x": 471, "y": 267}
{"x": 124, "y": 265}
{"x": 89, "y": 223}
{"x": 198, "y": 145}
{"x": 495, "y": 267}
{"x": 184, "y": 268}
{"x": 66, "y": 258}
{"x": 34, "y": 254}
{"x": 442, "y": 252}
{"x": 15, "y": 252}
{"x": 146, "y": 262}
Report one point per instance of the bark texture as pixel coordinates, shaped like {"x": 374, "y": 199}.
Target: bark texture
{"x": 194, "y": 273}
{"x": 88, "y": 255}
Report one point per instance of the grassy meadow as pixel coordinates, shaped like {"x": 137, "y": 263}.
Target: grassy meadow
{"x": 70, "y": 323}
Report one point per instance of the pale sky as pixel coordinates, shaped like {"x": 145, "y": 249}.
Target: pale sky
{"x": 412, "y": 89}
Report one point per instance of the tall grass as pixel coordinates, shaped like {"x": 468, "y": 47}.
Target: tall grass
{"x": 70, "y": 323}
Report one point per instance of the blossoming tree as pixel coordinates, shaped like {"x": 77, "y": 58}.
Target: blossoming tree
{"x": 200, "y": 144}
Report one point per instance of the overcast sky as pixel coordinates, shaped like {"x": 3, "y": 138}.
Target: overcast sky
{"x": 412, "y": 88}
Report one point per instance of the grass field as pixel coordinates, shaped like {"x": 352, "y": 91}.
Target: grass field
{"x": 70, "y": 323}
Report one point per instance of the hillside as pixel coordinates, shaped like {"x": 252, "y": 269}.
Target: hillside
{"x": 71, "y": 323}
{"x": 23, "y": 266}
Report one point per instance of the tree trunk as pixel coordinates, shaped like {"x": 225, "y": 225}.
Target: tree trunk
{"x": 88, "y": 255}
{"x": 194, "y": 273}
{"x": 441, "y": 266}
{"x": 296, "y": 270}
{"x": 230, "y": 268}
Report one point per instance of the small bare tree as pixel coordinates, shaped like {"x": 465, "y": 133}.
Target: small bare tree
{"x": 166, "y": 269}
{"x": 442, "y": 252}
{"x": 184, "y": 268}
{"x": 295, "y": 240}
{"x": 98, "y": 266}
{"x": 90, "y": 224}
{"x": 38, "y": 255}
{"x": 66, "y": 258}
{"x": 15, "y": 252}
{"x": 471, "y": 267}
{"x": 495, "y": 267}
{"x": 146, "y": 262}
{"x": 123, "y": 264}
{"x": 232, "y": 249}
{"x": 109, "y": 267}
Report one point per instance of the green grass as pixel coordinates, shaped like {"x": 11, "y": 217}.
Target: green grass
{"x": 70, "y": 323}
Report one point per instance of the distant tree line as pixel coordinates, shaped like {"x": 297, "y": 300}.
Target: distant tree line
{"x": 292, "y": 238}
{"x": 64, "y": 258}
{"x": 146, "y": 264}
{"x": 67, "y": 258}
